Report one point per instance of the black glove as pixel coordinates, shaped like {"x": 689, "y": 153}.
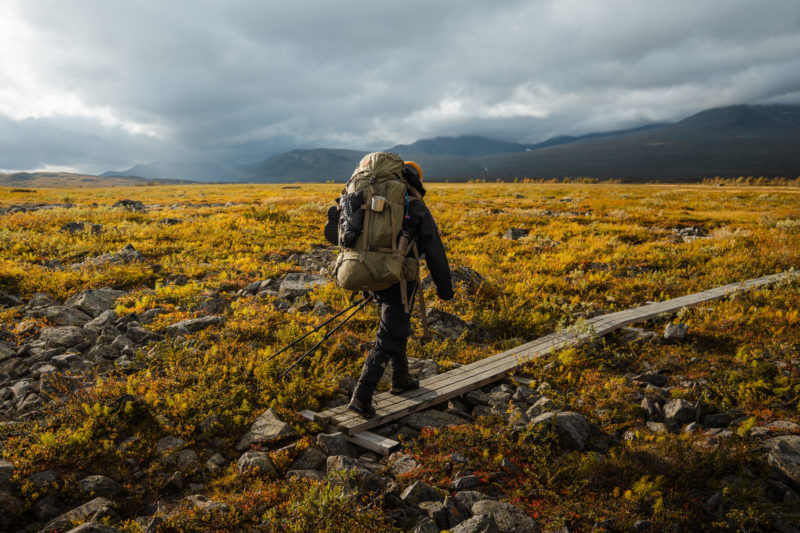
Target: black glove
{"x": 332, "y": 226}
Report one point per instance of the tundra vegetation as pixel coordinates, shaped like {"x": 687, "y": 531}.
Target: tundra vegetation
{"x": 682, "y": 430}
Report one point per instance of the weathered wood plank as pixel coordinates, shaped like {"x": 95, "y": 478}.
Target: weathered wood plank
{"x": 450, "y": 384}
{"x": 365, "y": 439}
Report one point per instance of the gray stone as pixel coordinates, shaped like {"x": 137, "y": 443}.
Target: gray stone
{"x": 77, "y": 514}
{"x": 100, "y": 486}
{"x": 206, "y": 504}
{"x": 477, "y": 397}
{"x": 469, "y": 497}
{"x": 784, "y": 458}
{"x": 254, "y": 462}
{"x": 675, "y": 332}
{"x": 572, "y": 428}
{"x": 653, "y": 378}
{"x": 650, "y": 408}
{"x": 515, "y": 234}
{"x": 402, "y": 464}
{"x": 426, "y": 525}
{"x": 435, "y": 511}
{"x": 6, "y": 472}
{"x": 333, "y": 443}
{"x": 266, "y": 428}
{"x": 465, "y": 482}
{"x": 540, "y": 406}
{"x": 193, "y": 325}
{"x": 9, "y": 300}
{"x": 678, "y": 412}
{"x": 10, "y": 509}
{"x": 186, "y": 458}
{"x": 455, "y": 511}
{"x": 32, "y": 402}
{"x": 523, "y": 393}
{"x": 446, "y": 324}
{"x": 419, "y": 492}
{"x": 482, "y": 523}
{"x": 94, "y": 302}
{"x": 657, "y": 427}
{"x": 509, "y": 518}
{"x": 298, "y": 284}
{"x": 7, "y": 350}
{"x": 432, "y": 418}
{"x": 342, "y": 463}
{"x": 309, "y": 459}
{"x": 59, "y": 315}
{"x": 41, "y": 299}
{"x": 169, "y": 444}
{"x": 352, "y": 476}
{"x": 63, "y": 336}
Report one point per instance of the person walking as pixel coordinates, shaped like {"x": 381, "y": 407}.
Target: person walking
{"x": 395, "y": 319}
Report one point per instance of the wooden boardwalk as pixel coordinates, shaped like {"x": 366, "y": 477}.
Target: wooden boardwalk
{"x": 443, "y": 387}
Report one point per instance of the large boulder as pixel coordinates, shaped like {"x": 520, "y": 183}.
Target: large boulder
{"x": 678, "y": 412}
{"x": 266, "y": 428}
{"x": 193, "y": 325}
{"x": 446, "y": 324}
{"x": 10, "y": 508}
{"x": 100, "y": 486}
{"x": 95, "y": 301}
{"x": 80, "y": 513}
{"x": 482, "y": 523}
{"x": 419, "y": 492}
{"x": 573, "y": 429}
{"x": 509, "y": 518}
{"x": 784, "y": 458}
{"x": 63, "y": 336}
{"x": 6, "y": 472}
{"x": 60, "y": 315}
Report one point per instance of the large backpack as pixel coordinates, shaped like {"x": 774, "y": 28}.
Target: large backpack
{"x": 373, "y": 206}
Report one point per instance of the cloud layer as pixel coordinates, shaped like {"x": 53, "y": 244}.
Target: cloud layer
{"x": 92, "y": 85}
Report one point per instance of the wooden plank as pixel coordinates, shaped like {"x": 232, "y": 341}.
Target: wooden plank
{"x": 364, "y": 439}
{"x": 468, "y": 377}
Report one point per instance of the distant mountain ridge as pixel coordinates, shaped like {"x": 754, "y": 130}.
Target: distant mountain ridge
{"x": 729, "y": 141}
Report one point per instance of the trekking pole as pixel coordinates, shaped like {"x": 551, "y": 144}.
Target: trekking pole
{"x": 325, "y": 337}
{"x": 314, "y": 330}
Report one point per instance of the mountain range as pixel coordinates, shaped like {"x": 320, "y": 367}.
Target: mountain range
{"x": 730, "y": 141}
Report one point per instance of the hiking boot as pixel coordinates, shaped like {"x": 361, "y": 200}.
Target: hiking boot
{"x": 407, "y": 385}
{"x": 365, "y": 410}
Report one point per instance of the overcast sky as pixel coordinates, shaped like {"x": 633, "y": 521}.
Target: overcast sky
{"x": 92, "y": 85}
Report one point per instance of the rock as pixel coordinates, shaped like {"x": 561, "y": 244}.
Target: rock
{"x": 10, "y": 509}
{"x": 540, "y": 406}
{"x": 784, "y": 458}
{"x": 509, "y": 518}
{"x": 95, "y": 302}
{"x": 7, "y": 350}
{"x": 523, "y": 393}
{"x": 432, "y": 418}
{"x": 455, "y": 511}
{"x": 469, "y": 497}
{"x": 333, "y": 443}
{"x": 206, "y": 504}
{"x": 650, "y": 408}
{"x": 93, "y": 527}
{"x": 174, "y": 484}
{"x": 657, "y": 427}
{"x": 482, "y": 523}
{"x": 215, "y": 463}
{"x": 41, "y": 299}
{"x": 675, "y": 332}
{"x": 63, "y": 336}
{"x": 400, "y": 464}
{"x": 193, "y": 325}
{"x": 100, "y": 486}
{"x": 653, "y": 378}
{"x": 678, "y": 412}
{"x": 446, "y": 324}
{"x": 77, "y": 514}
{"x": 309, "y": 459}
{"x": 169, "y": 444}
{"x": 573, "y": 429}
{"x": 6, "y": 472}
{"x": 130, "y": 205}
{"x": 299, "y": 284}
{"x": 419, "y": 492}
{"x": 254, "y": 462}
{"x": 59, "y": 315}
{"x": 465, "y": 482}
{"x": 9, "y": 300}
{"x": 477, "y": 397}
{"x": 312, "y": 475}
{"x": 352, "y": 476}
{"x": 435, "y": 511}
{"x": 266, "y": 428}
{"x": 426, "y": 525}
{"x": 515, "y": 234}
{"x": 186, "y": 458}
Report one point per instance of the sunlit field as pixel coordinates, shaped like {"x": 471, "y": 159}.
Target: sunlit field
{"x": 582, "y": 250}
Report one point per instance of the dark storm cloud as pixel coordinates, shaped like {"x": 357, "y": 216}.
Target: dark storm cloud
{"x": 242, "y": 80}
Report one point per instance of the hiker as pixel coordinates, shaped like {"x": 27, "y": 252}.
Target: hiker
{"x": 397, "y": 299}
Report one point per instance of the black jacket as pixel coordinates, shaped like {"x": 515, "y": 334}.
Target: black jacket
{"x": 420, "y": 223}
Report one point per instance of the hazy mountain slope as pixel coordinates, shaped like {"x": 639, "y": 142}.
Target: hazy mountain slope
{"x": 67, "y": 180}
{"x": 732, "y": 141}
{"x": 183, "y": 170}
{"x": 463, "y": 146}
{"x": 319, "y": 164}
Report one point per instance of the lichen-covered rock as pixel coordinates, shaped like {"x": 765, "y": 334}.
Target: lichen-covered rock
{"x": 309, "y": 459}
{"x": 254, "y": 462}
{"x": 266, "y": 428}
{"x": 63, "y": 336}
{"x": 298, "y": 284}
{"x": 333, "y": 443}
{"x": 432, "y": 418}
{"x": 60, "y": 315}
{"x": 82, "y": 512}
{"x": 100, "y": 486}
{"x": 573, "y": 429}
{"x": 678, "y": 412}
{"x": 94, "y": 302}
{"x": 419, "y": 492}
{"x": 509, "y": 518}
{"x": 482, "y": 523}
{"x": 446, "y": 324}
{"x": 193, "y": 325}
{"x": 784, "y": 458}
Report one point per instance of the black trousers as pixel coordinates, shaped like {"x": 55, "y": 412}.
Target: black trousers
{"x": 390, "y": 343}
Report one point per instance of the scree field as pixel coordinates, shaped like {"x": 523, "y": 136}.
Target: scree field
{"x": 695, "y": 432}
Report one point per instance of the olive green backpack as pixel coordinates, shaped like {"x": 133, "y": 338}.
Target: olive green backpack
{"x": 377, "y": 259}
